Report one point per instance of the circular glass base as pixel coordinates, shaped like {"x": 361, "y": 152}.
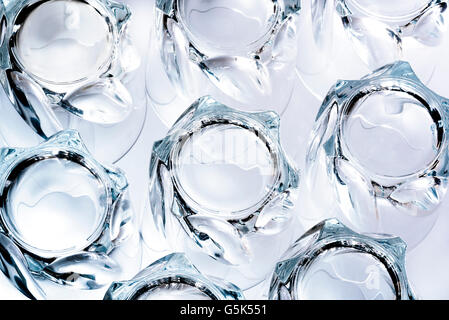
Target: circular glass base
{"x": 385, "y": 9}
{"x": 225, "y": 168}
{"x": 170, "y": 290}
{"x": 345, "y": 273}
{"x": 391, "y": 133}
{"x": 218, "y": 24}
{"x": 63, "y": 41}
{"x": 54, "y": 206}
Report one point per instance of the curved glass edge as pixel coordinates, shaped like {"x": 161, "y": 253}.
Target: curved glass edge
{"x": 344, "y": 11}
{"x": 166, "y": 6}
{"x": 249, "y": 74}
{"x": 119, "y": 13}
{"x": 172, "y": 265}
{"x": 65, "y": 140}
{"x": 23, "y": 91}
{"x": 331, "y": 231}
{"x": 400, "y": 70}
{"x": 117, "y": 228}
{"x": 15, "y": 268}
{"x": 206, "y": 107}
{"x": 328, "y": 144}
{"x": 397, "y": 75}
{"x": 3, "y": 27}
{"x": 371, "y": 32}
{"x": 288, "y": 7}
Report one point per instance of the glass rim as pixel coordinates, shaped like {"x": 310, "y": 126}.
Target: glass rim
{"x": 24, "y": 13}
{"x": 253, "y": 46}
{"x": 409, "y": 15}
{"x": 391, "y": 84}
{"x": 253, "y": 127}
{"x": 146, "y": 287}
{"x": 42, "y": 155}
{"x": 341, "y": 243}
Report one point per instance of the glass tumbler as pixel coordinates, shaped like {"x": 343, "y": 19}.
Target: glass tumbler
{"x": 332, "y": 262}
{"x": 66, "y": 224}
{"x": 378, "y": 156}
{"x": 70, "y": 64}
{"x": 222, "y": 190}
{"x": 353, "y": 37}
{"x": 172, "y": 277}
{"x": 241, "y": 52}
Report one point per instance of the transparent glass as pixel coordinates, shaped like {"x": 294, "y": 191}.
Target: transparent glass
{"x": 331, "y": 262}
{"x": 222, "y": 190}
{"x": 172, "y": 277}
{"x": 66, "y": 223}
{"x": 67, "y": 64}
{"x": 379, "y": 154}
{"x": 350, "y": 38}
{"x": 204, "y": 52}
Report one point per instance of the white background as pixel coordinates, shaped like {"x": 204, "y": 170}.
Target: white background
{"x": 427, "y": 264}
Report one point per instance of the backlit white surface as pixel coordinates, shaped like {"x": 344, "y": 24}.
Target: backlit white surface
{"x": 427, "y": 264}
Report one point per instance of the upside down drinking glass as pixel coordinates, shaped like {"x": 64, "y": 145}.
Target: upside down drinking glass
{"x": 378, "y": 156}
{"x": 222, "y": 190}
{"x": 67, "y": 64}
{"x": 67, "y": 229}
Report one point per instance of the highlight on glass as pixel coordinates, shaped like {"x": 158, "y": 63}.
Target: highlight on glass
{"x": 66, "y": 223}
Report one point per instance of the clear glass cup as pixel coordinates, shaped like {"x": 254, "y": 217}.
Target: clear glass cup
{"x": 332, "y": 262}
{"x": 378, "y": 158}
{"x": 66, "y": 223}
{"x": 349, "y": 38}
{"x": 172, "y": 277}
{"x": 222, "y": 190}
{"x": 203, "y": 51}
{"x": 70, "y": 64}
